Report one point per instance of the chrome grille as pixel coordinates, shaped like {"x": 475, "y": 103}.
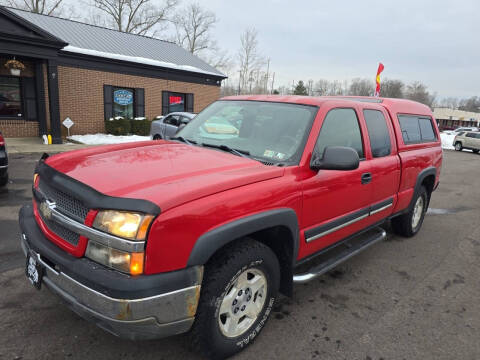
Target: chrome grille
{"x": 65, "y": 203}
{"x": 59, "y": 230}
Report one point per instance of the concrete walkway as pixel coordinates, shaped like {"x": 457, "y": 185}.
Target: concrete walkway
{"x": 35, "y": 145}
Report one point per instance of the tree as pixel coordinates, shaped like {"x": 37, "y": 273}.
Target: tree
{"x": 249, "y": 58}
{"x": 470, "y": 104}
{"x": 392, "y": 88}
{"x": 193, "y": 31}
{"x": 47, "y": 7}
{"x": 321, "y": 87}
{"x": 449, "y": 102}
{"x": 361, "y": 87}
{"x": 335, "y": 88}
{"x": 193, "y": 27}
{"x": 418, "y": 92}
{"x": 300, "y": 89}
{"x": 140, "y": 17}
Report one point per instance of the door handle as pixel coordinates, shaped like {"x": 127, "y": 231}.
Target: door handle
{"x": 366, "y": 178}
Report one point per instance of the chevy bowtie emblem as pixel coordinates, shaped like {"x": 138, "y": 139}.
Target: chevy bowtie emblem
{"x": 46, "y": 208}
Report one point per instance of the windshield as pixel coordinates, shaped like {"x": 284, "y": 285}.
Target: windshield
{"x": 267, "y": 131}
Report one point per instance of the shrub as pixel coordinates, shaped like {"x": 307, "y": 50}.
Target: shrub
{"x": 118, "y": 126}
{"x": 140, "y": 126}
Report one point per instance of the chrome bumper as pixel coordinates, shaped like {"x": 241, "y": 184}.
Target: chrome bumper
{"x": 146, "y": 318}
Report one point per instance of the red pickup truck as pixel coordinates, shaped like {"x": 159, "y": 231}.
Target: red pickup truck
{"x": 200, "y": 232}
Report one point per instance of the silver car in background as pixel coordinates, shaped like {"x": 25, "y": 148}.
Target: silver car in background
{"x": 167, "y": 126}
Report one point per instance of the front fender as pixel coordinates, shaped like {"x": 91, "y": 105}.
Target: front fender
{"x": 210, "y": 242}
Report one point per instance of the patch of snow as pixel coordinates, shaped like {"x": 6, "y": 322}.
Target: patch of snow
{"x": 447, "y": 140}
{"x": 136, "y": 59}
{"x": 140, "y": 118}
{"x": 103, "y": 139}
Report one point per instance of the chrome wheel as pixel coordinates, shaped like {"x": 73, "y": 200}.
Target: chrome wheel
{"x": 242, "y": 303}
{"x": 417, "y": 212}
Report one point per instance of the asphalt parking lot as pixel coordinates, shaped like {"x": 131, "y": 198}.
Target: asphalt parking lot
{"x": 412, "y": 298}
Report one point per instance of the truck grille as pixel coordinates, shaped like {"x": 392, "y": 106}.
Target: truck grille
{"x": 66, "y": 204}
{"x": 60, "y": 231}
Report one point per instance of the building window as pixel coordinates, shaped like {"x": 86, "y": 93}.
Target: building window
{"x": 173, "y": 102}
{"x": 123, "y": 103}
{"x": 10, "y": 97}
{"x": 176, "y": 102}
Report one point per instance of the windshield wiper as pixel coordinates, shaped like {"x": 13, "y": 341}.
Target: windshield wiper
{"x": 242, "y": 153}
{"x": 182, "y": 139}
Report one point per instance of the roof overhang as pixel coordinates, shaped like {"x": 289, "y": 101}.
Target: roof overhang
{"x": 20, "y": 37}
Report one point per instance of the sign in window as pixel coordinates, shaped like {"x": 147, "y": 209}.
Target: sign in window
{"x": 123, "y": 103}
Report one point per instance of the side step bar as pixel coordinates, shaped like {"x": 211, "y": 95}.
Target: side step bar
{"x": 338, "y": 254}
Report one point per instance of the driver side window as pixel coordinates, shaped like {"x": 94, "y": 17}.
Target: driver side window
{"x": 340, "y": 128}
{"x": 172, "y": 120}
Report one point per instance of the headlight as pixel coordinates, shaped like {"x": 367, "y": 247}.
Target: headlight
{"x": 130, "y": 263}
{"x": 132, "y": 226}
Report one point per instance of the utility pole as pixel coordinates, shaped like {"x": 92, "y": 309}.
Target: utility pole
{"x": 239, "y": 79}
{"x": 266, "y": 76}
{"x": 273, "y": 80}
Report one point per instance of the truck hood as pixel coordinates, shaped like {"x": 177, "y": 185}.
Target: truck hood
{"x": 165, "y": 173}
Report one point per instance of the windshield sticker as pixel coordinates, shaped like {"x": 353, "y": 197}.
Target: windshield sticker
{"x": 269, "y": 153}
{"x": 274, "y": 155}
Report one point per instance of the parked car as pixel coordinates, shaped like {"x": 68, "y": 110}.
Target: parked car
{"x": 3, "y": 162}
{"x": 460, "y": 129}
{"x": 213, "y": 224}
{"x": 167, "y": 126}
{"x": 467, "y": 140}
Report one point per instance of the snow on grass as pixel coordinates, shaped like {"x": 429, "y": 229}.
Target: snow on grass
{"x": 102, "y": 139}
{"x": 447, "y": 140}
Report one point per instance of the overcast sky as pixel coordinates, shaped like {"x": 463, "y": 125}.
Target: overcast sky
{"x": 436, "y": 42}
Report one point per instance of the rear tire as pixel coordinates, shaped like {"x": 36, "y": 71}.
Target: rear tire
{"x": 476, "y": 151}
{"x": 458, "y": 146}
{"x": 244, "y": 276}
{"x": 4, "y": 180}
{"x": 409, "y": 224}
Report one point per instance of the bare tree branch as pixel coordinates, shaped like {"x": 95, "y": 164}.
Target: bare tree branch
{"x": 139, "y": 17}
{"x": 250, "y": 61}
{"x": 47, "y": 7}
{"x": 193, "y": 25}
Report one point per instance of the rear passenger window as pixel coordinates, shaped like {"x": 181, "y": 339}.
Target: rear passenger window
{"x": 416, "y": 129}
{"x": 470, "y": 135}
{"x": 426, "y": 129}
{"x": 340, "y": 128}
{"x": 378, "y": 133}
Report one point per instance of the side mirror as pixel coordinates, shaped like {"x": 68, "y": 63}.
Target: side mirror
{"x": 336, "y": 158}
{"x": 180, "y": 128}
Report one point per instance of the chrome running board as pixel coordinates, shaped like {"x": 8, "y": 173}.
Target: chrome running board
{"x": 340, "y": 253}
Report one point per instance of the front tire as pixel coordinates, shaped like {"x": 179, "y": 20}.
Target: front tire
{"x": 239, "y": 289}
{"x": 458, "y": 146}
{"x": 409, "y": 224}
{"x": 475, "y": 151}
{"x": 157, "y": 137}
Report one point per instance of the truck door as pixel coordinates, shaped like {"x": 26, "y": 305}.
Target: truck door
{"x": 336, "y": 203}
{"x": 384, "y": 161}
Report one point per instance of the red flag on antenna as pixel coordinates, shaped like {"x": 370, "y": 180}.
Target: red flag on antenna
{"x": 377, "y": 79}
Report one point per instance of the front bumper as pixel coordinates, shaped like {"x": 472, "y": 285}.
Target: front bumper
{"x": 143, "y": 307}
{"x": 3, "y": 162}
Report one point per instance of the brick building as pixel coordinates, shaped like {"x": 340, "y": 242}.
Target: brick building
{"x": 89, "y": 74}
